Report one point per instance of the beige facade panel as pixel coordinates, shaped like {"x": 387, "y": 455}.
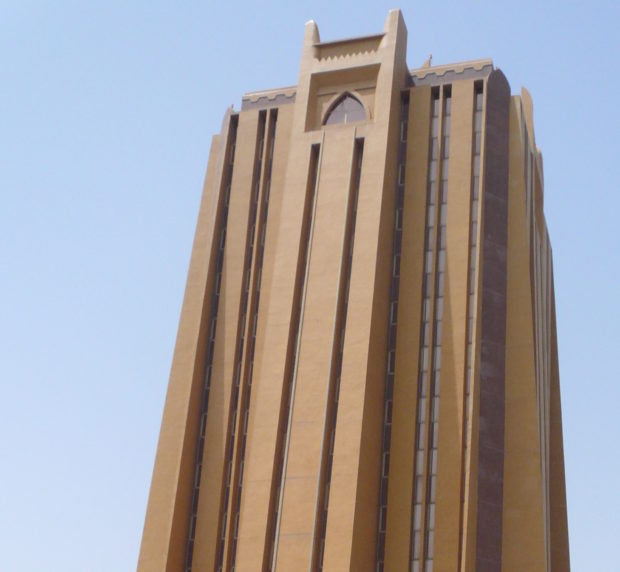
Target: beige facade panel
{"x": 398, "y": 537}
{"x": 368, "y": 327}
{"x": 523, "y": 527}
{"x": 218, "y": 423}
{"x": 250, "y": 300}
{"x": 284, "y": 227}
{"x": 315, "y": 356}
{"x": 450, "y": 445}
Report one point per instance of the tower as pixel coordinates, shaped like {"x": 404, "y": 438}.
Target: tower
{"x": 365, "y": 375}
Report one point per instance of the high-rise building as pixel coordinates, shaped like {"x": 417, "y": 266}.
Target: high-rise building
{"x": 366, "y": 376}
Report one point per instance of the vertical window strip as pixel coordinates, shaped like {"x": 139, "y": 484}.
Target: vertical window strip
{"x": 338, "y": 346}
{"x": 425, "y": 340}
{"x": 259, "y": 242}
{"x": 471, "y": 281}
{"x": 241, "y": 332}
{"x": 435, "y": 366}
{"x": 291, "y": 366}
{"x": 392, "y": 330}
{"x": 215, "y": 297}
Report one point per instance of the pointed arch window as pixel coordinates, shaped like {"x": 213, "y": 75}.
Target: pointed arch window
{"x": 346, "y": 110}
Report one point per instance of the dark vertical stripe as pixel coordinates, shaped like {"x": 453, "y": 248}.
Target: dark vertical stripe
{"x": 493, "y": 328}
{"x": 289, "y": 370}
{"x": 218, "y": 247}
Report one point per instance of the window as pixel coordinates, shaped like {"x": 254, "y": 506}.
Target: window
{"x": 422, "y": 409}
{"x": 347, "y": 109}
{"x": 403, "y": 130}
{"x": 385, "y": 465}
{"x": 417, "y": 516}
{"x": 432, "y": 192}
{"x": 391, "y": 361}
{"x": 421, "y": 442}
{"x": 399, "y": 219}
{"x": 396, "y": 266}
{"x": 431, "y": 518}
{"x": 393, "y": 312}
{"x": 426, "y": 333}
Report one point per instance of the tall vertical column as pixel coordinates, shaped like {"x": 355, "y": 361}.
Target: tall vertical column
{"x": 453, "y": 367}
{"x": 401, "y": 473}
{"x": 227, "y": 331}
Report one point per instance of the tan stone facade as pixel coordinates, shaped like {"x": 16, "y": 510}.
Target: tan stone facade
{"x": 365, "y": 376}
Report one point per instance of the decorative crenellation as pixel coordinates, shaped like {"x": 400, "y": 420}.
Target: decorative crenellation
{"x": 268, "y": 99}
{"x": 476, "y": 69}
{"x": 341, "y": 49}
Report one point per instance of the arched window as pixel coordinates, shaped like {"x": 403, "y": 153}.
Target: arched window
{"x": 346, "y": 110}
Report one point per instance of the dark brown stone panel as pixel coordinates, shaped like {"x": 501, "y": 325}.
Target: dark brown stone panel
{"x": 494, "y": 321}
{"x": 491, "y": 367}
{"x": 495, "y": 223}
{"x": 496, "y": 279}
{"x": 493, "y": 327}
{"x": 494, "y": 418}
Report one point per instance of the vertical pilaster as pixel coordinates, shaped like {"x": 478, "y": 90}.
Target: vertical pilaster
{"x": 450, "y": 448}
{"x": 522, "y": 523}
{"x": 224, "y": 364}
{"x": 400, "y": 487}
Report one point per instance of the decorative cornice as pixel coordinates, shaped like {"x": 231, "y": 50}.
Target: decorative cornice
{"x": 268, "y": 99}
{"x": 442, "y": 74}
{"x": 354, "y": 47}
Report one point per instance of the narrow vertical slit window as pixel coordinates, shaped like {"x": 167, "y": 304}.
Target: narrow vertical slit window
{"x": 429, "y": 376}
{"x": 425, "y": 335}
{"x": 435, "y": 366}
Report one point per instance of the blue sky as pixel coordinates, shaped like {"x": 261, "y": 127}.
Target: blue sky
{"x": 106, "y": 114}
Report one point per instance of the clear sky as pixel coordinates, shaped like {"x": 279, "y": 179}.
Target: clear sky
{"x": 106, "y": 114}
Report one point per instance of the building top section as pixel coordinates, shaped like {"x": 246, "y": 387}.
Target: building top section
{"x": 428, "y": 75}
{"x": 370, "y": 68}
{"x": 370, "y": 71}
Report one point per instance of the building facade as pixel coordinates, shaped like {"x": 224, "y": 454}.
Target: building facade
{"x": 366, "y": 376}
